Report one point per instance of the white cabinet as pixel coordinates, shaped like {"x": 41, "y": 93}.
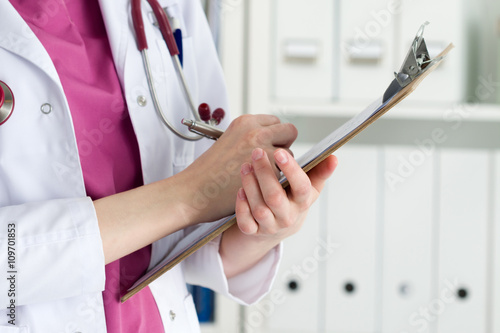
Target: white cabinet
{"x": 495, "y": 245}
{"x": 416, "y": 255}
{"x": 408, "y": 228}
{"x": 352, "y": 289}
{"x": 414, "y": 233}
{"x": 366, "y": 45}
{"x": 463, "y": 242}
{"x": 413, "y": 256}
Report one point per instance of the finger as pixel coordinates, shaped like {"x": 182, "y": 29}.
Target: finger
{"x": 300, "y": 184}
{"x": 320, "y": 173}
{"x": 261, "y": 213}
{"x": 283, "y": 135}
{"x": 272, "y": 191}
{"x": 244, "y": 218}
{"x": 267, "y": 120}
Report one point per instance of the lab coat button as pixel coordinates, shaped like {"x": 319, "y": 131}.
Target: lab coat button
{"x": 46, "y": 108}
{"x": 172, "y": 315}
{"x": 141, "y": 100}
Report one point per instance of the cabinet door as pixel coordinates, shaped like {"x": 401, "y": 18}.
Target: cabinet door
{"x": 366, "y": 48}
{"x": 293, "y": 304}
{"x": 407, "y": 238}
{"x": 461, "y": 306}
{"x": 303, "y": 50}
{"x": 352, "y": 285}
{"x": 495, "y": 245}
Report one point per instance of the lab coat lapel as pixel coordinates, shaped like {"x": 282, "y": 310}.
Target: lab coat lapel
{"x": 17, "y": 37}
{"x": 116, "y": 16}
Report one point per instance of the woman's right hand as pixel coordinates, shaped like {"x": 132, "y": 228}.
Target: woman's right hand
{"x": 214, "y": 178}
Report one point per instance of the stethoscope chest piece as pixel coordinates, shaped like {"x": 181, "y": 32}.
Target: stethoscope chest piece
{"x": 6, "y": 102}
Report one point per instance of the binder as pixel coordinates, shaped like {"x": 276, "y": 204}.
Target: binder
{"x": 416, "y": 66}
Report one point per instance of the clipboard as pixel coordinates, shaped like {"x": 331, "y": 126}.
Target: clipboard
{"x": 416, "y": 66}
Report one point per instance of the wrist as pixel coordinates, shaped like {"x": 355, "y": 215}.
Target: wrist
{"x": 240, "y": 252}
{"x": 208, "y": 197}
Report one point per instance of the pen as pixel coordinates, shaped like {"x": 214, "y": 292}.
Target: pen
{"x": 176, "y": 27}
{"x": 203, "y": 129}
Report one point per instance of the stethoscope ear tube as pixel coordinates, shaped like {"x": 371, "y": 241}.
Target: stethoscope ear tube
{"x": 161, "y": 18}
{"x": 6, "y": 102}
{"x": 142, "y": 42}
{"x": 165, "y": 28}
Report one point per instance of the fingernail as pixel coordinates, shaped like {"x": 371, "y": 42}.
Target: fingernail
{"x": 246, "y": 168}
{"x": 257, "y": 154}
{"x": 241, "y": 194}
{"x": 281, "y": 156}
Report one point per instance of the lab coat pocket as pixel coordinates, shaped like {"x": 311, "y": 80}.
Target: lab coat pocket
{"x": 189, "y": 66}
{"x": 191, "y": 314}
{"x": 14, "y": 329}
{"x": 182, "y": 160}
{"x": 185, "y": 153}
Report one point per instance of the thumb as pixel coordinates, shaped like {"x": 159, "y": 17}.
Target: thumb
{"x": 321, "y": 172}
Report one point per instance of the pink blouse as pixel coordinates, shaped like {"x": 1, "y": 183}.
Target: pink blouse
{"x": 76, "y": 40}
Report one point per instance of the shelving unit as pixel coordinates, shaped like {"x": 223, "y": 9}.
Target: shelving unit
{"x": 414, "y": 204}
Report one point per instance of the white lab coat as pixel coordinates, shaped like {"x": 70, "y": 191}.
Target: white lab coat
{"x": 59, "y": 257}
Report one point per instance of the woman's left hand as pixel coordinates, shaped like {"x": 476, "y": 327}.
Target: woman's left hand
{"x": 266, "y": 213}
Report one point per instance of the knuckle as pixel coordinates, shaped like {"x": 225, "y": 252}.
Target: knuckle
{"x": 287, "y": 222}
{"x": 247, "y": 228}
{"x": 275, "y": 198}
{"x": 304, "y": 205}
{"x": 241, "y": 122}
{"x": 273, "y": 118}
{"x": 261, "y": 213}
{"x": 243, "y": 119}
{"x": 261, "y": 137}
{"x": 303, "y": 190}
{"x": 293, "y": 130}
{"x": 270, "y": 228}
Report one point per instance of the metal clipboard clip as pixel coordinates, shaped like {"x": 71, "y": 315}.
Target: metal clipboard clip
{"x": 416, "y": 62}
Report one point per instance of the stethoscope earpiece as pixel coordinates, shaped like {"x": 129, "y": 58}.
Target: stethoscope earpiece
{"x": 6, "y": 102}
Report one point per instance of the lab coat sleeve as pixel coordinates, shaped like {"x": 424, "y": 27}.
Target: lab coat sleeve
{"x": 56, "y": 250}
{"x": 205, "y": 268}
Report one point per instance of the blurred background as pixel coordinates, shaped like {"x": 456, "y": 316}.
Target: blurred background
{"x": 406, "y": 236}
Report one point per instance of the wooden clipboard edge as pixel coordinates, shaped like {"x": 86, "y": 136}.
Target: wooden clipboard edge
{"x": 179, "y": 258}
{"x": 394, "y": 101}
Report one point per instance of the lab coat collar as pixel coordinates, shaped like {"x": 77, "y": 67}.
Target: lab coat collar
{"x": 19, "y": 39}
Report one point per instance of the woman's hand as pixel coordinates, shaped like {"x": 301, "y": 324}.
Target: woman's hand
{"x": 205, "y": 191}
{"x": 214, "y": 176}
{"x": 266, "y": 213}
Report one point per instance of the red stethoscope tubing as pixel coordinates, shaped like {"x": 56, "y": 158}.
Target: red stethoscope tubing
{"x": 169, "y": 38}
{"x": 161, "y": 17}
